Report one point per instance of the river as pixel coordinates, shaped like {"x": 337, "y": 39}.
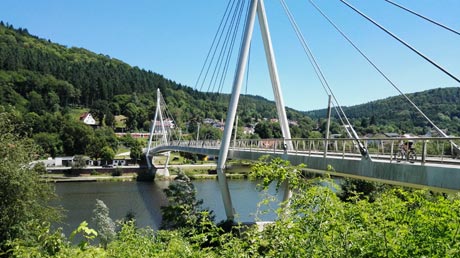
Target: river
{"x": 144, "y": 200}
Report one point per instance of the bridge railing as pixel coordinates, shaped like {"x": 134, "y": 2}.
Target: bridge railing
{"x": 196, "y": 144}
{"x": 427, "y": 149}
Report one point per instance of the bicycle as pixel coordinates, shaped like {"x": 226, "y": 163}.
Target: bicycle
{"x": 410, "y": 156}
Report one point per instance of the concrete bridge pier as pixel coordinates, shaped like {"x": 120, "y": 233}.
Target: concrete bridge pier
{"x": 152, "y": 171}
{"x": 163, "y": 172}
{"x": 147, "y": 174}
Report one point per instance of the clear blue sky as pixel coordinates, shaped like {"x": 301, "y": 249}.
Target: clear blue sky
{"x": 172, "y": 37}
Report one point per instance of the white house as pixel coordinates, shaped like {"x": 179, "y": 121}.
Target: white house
{"x": 168, "y": 124}
{"x": 63, "y": 161}
{"x": 88, "y": 119}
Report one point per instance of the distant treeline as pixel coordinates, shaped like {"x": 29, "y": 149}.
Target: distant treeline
{"x": 441, "y": 105}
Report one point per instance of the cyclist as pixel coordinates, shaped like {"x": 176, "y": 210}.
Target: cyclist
{"x": 406, "y": 149}
{"x": 407, "y": 144}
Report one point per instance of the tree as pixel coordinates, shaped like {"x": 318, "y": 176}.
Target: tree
{"x": 136, "y": 152}
{"x": 208, "y": 132}
{"x": 107, "y": 153}
{"x": 75, "y": 136}
{"x": 315, "y": 135}
{"x": 36, "y": 103}
{"x": 104, "y": 224}
{"x": 184, "y": 210}
{"x": 102, "y": 137}
{"x": 263, "y": 130}
{"x": 131, "y": 111}
{"x": 24, "y": 197}
{"x": 79, "y": 161}
{"x": 49, "y": 142}
{"x": 99, "y": 109}
{"x": 94, "y": 149}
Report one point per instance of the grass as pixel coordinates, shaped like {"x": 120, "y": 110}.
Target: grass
{"x": 120, "y": 121}
{"x": 77, "y": 112}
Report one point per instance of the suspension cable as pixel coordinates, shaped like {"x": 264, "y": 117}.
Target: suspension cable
{"x": 227, "y": 16}
{"x": 230, "y": 50}
{"x": 222, "y": 52}
{"x": 317, "y": 68}
{"x": 401, "y": 41}
{"x": 318, "y": 73}
{"x": 423, "y": 17}
{"x": 213, "y": 41}
{"x": 377, "y": 69}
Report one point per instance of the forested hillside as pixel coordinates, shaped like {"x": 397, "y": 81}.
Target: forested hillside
{"x": 40, "y": 76}
{"x": 46, "y": 86}
{"x": 441, "y": 105}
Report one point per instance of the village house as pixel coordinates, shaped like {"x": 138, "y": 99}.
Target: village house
{"x": 87, "y": 118}
{"x": 167, "y": 123}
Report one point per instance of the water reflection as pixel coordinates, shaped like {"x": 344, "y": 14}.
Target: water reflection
{"x": 144, "y": 200}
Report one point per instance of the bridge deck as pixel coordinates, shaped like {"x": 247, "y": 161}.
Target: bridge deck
{"x": 436, "y": 172}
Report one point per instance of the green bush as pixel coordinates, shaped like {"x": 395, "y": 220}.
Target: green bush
{"x": 317, "y": 223}
{"x": 117, "y": 172}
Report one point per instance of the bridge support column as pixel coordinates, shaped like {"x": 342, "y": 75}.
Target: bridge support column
{"x": 231, "y": 113}
{"x": 256, "y": 7}
{"x": 280, "y": 107}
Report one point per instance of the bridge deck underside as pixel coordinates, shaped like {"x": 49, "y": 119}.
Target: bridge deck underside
{"x": 435, "y": 177}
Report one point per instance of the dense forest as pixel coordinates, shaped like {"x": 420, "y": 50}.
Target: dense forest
{"x": 441, "y": 105}
{"x": 33, "y": 68}
{"x": 46, "y": 86}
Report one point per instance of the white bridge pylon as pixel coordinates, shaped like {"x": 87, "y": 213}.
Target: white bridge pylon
{"x": 161, "y": 140}
{"x": 257, "y": 6}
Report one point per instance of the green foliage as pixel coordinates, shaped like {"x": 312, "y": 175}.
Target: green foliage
{"x": 40, "y": 242}
{"x": 104, "y": 224}
{"x": 117, "y": 172}
{"x": 395, "y": 114}
{"x": 398, "y": 223}
{"x": 88, "y": 234}
{"x": 50, "y": 143}
{"x": 76, "y": 137}
{"x": 79, "y": 161}
{"x": 45, "y": 78}
{"x": 315, "y": 135}
{"x": 355, "y": 188}
{"x": 23, "y": 196}
{"x": 275, "y": 170}
{"x": 183, "y": 210}
{"x": 107, "y": 153}
{"x": 136, "y": 151}
{"x": 133, "y": 242}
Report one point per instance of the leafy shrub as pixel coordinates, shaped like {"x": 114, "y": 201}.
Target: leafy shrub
{"x": 183, "y": 210}
{"x": 117, "y": 172}
{"x": 104, "y": 224}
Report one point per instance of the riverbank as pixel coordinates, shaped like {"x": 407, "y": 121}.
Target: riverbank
{"x": 62, "y": 178}
{"x": 197, "y": 172}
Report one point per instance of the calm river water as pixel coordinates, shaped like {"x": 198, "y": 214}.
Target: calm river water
{"x": 144, "y": 199}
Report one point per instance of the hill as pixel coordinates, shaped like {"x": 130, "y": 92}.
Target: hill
{"x": 63, "y": 77}
{"x": 441, "y": 105}
{"x": 44, "y": 86}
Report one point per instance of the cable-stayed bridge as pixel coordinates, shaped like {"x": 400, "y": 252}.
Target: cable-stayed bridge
{"x": 376, "y": 159}
{"x": 431, "y": 168}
